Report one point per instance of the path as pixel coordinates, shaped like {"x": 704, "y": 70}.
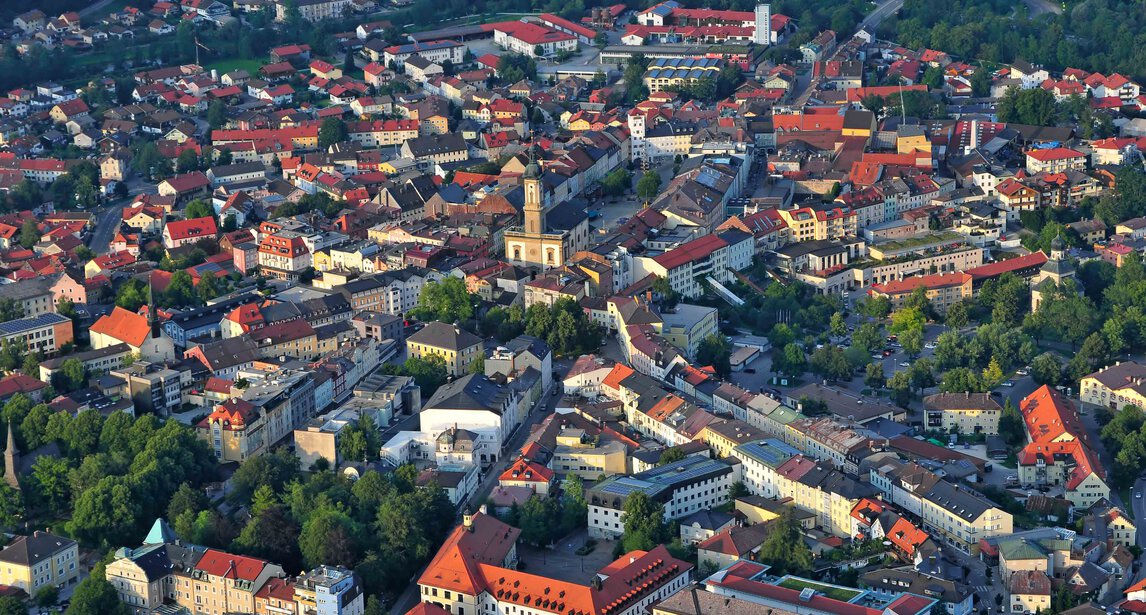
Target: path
{"x": 91, "y": 9}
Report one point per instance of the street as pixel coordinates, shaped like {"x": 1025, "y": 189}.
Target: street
{"x": 107, "y": 223}
{"x": 881, "y": 12}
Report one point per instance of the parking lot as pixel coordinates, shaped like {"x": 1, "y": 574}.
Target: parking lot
{"x": 562, "y": 561}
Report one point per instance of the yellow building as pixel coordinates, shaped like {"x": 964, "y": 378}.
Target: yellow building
{"x": 943, "y": 290}
{"x": 960, "y": 518}
{"x": 458, "y": 347}
{"x": 1122, "y": 384}
{"x": 724, "y": 435}
{"x": 758, "y": 509}
{"x": 964, "y": 413}
{"x": 588, "y": 456}
{"x": 38, "y": 561}
{"x": 535, "y": 243}
{"x": 1030, "y": 592}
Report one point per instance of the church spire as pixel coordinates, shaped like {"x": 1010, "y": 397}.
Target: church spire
{"x": 11, "y": 460}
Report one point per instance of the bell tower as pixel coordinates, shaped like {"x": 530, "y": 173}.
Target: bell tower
{"x": 534, "y": 209}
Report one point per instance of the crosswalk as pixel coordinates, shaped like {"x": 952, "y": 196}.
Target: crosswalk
{"x": 981, "y": 589}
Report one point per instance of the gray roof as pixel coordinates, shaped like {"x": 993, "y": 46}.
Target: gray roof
{"x": 31, "y": 550}
{"x": 470, "y": 392}
{"x": 26, "y": 289}
{"x": 442, "y": 335}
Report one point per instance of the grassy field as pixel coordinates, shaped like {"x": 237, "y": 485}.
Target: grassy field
{"x": 226, "y": 66}
{"x": 836, "y": 593}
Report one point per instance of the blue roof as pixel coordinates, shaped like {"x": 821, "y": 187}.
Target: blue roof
{"x": 770, "y": 452}
{"x": 23, "y": 325}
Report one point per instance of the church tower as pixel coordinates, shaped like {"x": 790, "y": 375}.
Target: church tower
{"x": 534, "y": 208}
{"x": 11, "y": 460}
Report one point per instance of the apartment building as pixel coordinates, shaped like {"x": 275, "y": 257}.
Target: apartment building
{"x": 1122, "y": 384}
{"x": 41, "y": 560}
{"x": 963, "y": 413}
{"x": 682, "y": 487}
{"x": 942, "y": 290}
{"x": 458, "y": 347}
{"x": 45, "y": 333}
{"x": 1059, "y": 450}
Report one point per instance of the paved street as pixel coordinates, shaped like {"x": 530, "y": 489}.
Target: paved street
{"x": 107, "y": 223}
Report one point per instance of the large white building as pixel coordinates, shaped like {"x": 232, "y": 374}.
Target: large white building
{"x": 529, "y": 38}
{"x": 683, "y": 487}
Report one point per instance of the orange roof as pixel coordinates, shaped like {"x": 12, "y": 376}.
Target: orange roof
{"x": 1054, "y": 153}
{"x": 665, "y": 407}
{"x": 220, "y": 564}
{"x": 524, "y": 470}
{"x": 907, "y": 285}
{"x": 1049, "y": 416}
{"x": 906, "y": 536}
{"x": 123, "y": 325}
{"x": 619, "y": 373}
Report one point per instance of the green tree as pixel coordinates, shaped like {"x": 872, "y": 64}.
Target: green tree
{"x": 784, "y": 548}
{"x": 715, "y": 350}
{"x": 874, "y": 377}
{"x": 900, "y": 385}
{"x": 429, "y": 372}
{"x": 332, "y": 130}
{"x": 838, "y": 326}
{"x": 216, "y": 114}
{"x": 96, "y": 596}
{"x": 187, "y": 161}
{"x": 649, "y": 185}
{"x": 29, "y": 233}
{"x": 270, "y": 534}
{"x": 1011, "y": 425}
{"x": 869, "y": 337}
{"x": 50, "y": 484}
{"x": 199, "y": 209}
{"x": 11, "y": 506}
{"x": 874, "y": 307}
{"x": 643, "y": 520}
{"x": 830, "y": 362}
{"x": 792, "y": 361}
{"x": 958, "y": 315}
{"x": 11, "y": 605}
{"x": 46, "y": 597}
{"x": 671, "y": 455}
{"x": 447, "y": 301}
{"x": 1046, "y": 369}
{"x": 961, "y": 380}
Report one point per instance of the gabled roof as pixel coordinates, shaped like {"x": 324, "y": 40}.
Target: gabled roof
{"x": 123, "y": 325}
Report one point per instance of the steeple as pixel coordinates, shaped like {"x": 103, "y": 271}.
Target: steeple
{"x": 152, "y": 319}
{"x": 533, "y": 208}
{"x": 11, "y": 460}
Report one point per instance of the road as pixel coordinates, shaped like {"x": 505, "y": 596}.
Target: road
{"x": 96, "y": 7}
{"x": 1038, "y": 7}
{"x": 880, "y": 13}
{"x": 107, "y": 223}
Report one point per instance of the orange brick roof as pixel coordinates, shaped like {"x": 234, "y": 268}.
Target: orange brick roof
{"x": 123, "y": 325}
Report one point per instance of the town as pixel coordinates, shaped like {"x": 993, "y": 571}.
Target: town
{"x": 510, "y": 307}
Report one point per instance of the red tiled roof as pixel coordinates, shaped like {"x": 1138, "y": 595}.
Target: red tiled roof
{"x": 123, "y": 325}
{"x": 195, "y": 227}
{"x": 524, "y": 470}
{"x": 220, "y": 564}
{"x": 906, "y": 285}
{"x": 1054, "y": 153}
{"x": 990, "y": 270}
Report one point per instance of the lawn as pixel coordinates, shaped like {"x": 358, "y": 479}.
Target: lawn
{"x": 835, "y": 593}
{"x": 226, "y": 66}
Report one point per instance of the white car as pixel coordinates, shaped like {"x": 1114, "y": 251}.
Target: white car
{"x": 1023, "y": 372}
{"x": 904, "y": 364}
{"x": 1009, "y": 383}
{"x": 931, "y": 345}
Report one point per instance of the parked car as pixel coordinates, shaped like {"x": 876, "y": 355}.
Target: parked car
{"x": 1009, "y": 383}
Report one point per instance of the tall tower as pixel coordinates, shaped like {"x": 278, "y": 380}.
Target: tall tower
{"x": 763, "y": 35}
{"x": 534, "y": 209}
{"x": 11, "y": 460}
